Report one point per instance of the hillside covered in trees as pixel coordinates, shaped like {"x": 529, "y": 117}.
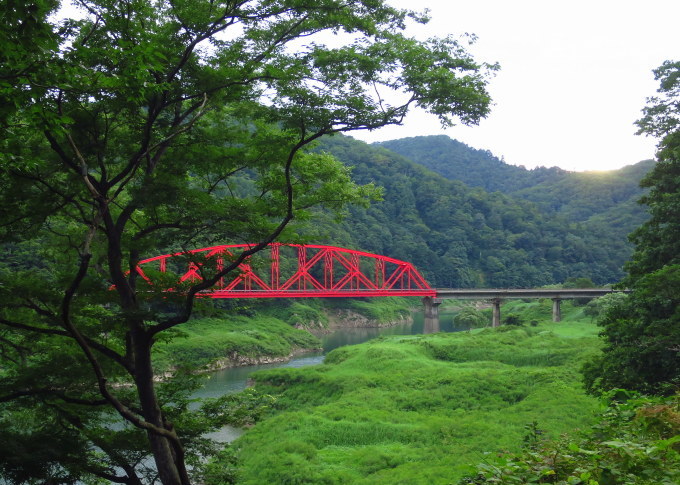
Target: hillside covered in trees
{"x": 478, "y": 168}
{"x": 461, "y": 235}
{"x": 605, "y": 201}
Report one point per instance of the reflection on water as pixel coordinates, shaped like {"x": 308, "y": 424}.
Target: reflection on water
{"x": 420, "y": 325}
{"x": 431, "y": 325}
{"x": 235, "y": 379}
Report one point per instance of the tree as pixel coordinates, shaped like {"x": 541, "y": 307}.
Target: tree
{"x": 26, "y": 39}
{"x": 657, "y": 242}
{"x": 470, "y": 317}
{"x": 599, "y": 306}
{"x": 579, "y": 282}
{"x": 642, "y": 332}
{"x": 138, "y": 128}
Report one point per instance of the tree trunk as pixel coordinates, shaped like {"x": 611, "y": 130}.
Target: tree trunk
{"x": 170, "y": 466}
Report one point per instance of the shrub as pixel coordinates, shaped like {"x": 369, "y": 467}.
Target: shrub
{"x": 635, "y": 442}
{"x": 470, "y": 317}
{"x": 513, "y": 319}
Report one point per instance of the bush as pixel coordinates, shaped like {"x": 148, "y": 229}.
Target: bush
{"x": 635, "y": 442}
{"x": 514, "y": 320}
{"x": 470, "y": 317}
{"x": 600, "y": 306}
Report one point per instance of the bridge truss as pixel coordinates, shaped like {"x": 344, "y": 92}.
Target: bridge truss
{"x": 289, "y": 271}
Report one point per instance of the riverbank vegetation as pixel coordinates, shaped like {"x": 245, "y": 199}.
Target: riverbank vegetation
{"x": 213, "y": 343}
{"x": 420, "y": 409}
{"x": 232, "y": 333}
{"x": 636, "y": 441}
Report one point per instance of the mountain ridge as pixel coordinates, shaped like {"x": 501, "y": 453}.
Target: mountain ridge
{"x": 457, "y": 157}
{"x": 463, "y": 236}
{"x": 594, "y": 198}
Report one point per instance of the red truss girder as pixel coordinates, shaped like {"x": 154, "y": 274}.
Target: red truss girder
{"x": 319, "y": 271}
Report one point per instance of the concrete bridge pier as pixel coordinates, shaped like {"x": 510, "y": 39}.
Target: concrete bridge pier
{"x": 431, "y": 320}
{"x": 496, "y": 319}
{"x": 432, "y": 307}
{"x": 557, "y": 312}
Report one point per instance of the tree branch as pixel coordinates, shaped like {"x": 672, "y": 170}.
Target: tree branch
{"x": 102, "y": 349}
{"x": 52, "y": 392}
{"x": 207, "y": 283}
{"x": 115, "y": 456}
{"x": 123, "y": 410}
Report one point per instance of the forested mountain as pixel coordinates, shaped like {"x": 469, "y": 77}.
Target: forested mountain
{"x": 576, "y": 195}
{"x": 603, "y": 203}
{"x": 477, "y": 168}
{"x": 606, "y": 203}
{"x": 462, "y": 236}
{"x": 582, "y": 195}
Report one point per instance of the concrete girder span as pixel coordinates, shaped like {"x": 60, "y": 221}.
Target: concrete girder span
{"x": 497, "y": 295}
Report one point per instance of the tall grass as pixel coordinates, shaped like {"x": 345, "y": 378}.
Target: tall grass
{"x": 379, "y": 310}
{"x": 419, "y": 409}
{"x": 234, "y": 330}
{"x": 203, "y": 341}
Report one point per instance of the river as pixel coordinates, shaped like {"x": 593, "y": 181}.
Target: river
{"x": 234, "y": 379}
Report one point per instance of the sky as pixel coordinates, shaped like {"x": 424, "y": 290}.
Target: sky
{"x": 574, "y": 77}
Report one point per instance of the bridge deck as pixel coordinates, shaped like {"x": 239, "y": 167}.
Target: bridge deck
{"x": 315, "y": 293}
{"x": 504, "y": 293}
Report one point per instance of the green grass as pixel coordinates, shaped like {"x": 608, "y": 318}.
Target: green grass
{"x": 262, "y": 329}
{"x": 203, "y": 341}
{"x": 380, "y": 310}
{"x": 420, "y": 409}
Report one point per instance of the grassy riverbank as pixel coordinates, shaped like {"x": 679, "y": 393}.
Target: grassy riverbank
{"x": 421, "y": 409}
{"x": 220, "y": 342}
{"x": 253, "y": 332}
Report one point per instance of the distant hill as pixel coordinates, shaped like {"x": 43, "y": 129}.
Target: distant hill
{"x": 463, "y": 236}
{"x": 478, "y": 168}
{"x": 604, "y": 202}
{"x": 581, "y": 195}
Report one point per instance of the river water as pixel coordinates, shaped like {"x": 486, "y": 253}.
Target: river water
{"x": 234, "y": 379}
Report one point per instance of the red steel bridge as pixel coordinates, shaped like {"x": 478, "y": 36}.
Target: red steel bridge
{"x": 290, "y": 271}
{"x": 312, "y": 270}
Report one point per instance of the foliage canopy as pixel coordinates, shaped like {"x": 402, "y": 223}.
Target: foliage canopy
{"x": 134, "y": 128}
{"x": 642, "y": 333}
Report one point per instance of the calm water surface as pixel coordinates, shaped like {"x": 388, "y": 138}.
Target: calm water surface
{"x": 235, "y": 379}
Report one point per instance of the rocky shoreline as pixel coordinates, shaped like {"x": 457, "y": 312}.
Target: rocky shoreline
{"x": 336, "y": 320}
{"x": 352, "y": 319}
{"x": 234, "y": 359}
{"x": 343, "y": 318}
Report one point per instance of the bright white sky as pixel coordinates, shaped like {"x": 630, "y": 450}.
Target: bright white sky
{"x": 574, "y": 77}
